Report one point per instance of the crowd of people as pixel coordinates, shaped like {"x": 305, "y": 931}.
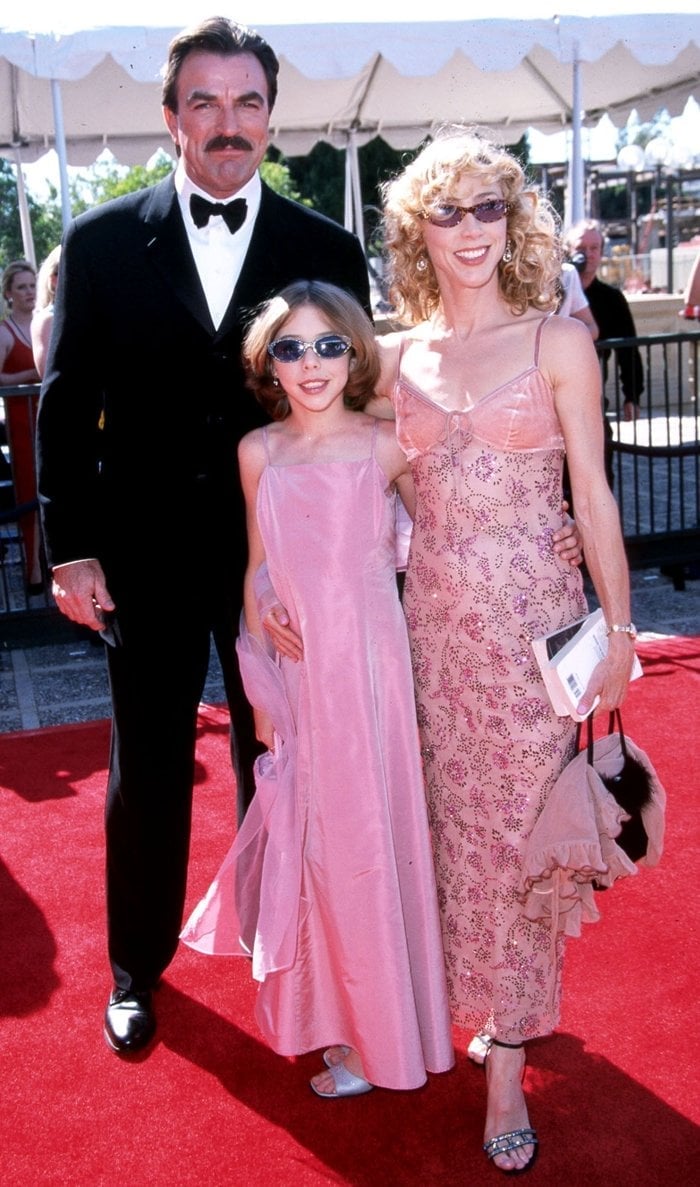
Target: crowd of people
{"x": 221, "y": 438}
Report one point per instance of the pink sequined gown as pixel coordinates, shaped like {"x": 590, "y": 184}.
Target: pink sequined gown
{"x": 483, "y": 582}
{"x": 369, "y": 965}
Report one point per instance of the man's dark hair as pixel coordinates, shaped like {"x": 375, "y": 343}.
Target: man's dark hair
{"x": 219, "y": 35}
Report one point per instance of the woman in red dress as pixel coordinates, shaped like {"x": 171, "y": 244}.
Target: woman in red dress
{"x": 17, "y": 367}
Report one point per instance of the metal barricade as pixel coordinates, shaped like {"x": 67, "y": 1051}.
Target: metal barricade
{"x": 656, "y": 464}
{"x": 656, "y": 458}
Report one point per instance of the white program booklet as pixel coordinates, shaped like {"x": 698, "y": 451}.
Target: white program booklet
{"x": 567, "y": 658}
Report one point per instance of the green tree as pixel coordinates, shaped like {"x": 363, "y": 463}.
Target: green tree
{"x": 320, "y": 175}
{"x": 107, "y": 180}
{"x": 277, "y": 175}
{"x": 45, "y": 219}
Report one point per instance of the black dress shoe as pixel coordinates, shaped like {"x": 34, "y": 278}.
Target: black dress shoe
{"x": 130, "y": 1022}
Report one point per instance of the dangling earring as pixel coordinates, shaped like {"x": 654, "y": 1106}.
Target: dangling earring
{"x": 275, "y": 381}
{"x": 508, "y": 253}
{"x": 421, "y": 264}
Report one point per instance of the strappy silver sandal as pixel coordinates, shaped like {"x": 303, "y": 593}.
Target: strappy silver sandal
{"x": 503, "y": 1143}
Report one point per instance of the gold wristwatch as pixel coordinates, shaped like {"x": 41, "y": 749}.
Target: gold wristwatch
{"x": 623, "y": 628}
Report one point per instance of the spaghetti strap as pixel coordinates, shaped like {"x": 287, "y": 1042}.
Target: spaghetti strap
{"x": 538, "y": 336}
{"x": 266, "y": 444}
{"x": 375, "y": 427}
{"x": 402, "y": 347}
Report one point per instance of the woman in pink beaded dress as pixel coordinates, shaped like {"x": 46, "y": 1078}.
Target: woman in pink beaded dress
{"x": 488, "y": 393}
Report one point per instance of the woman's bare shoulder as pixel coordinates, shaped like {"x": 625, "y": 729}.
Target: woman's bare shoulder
{"x": 564, "y": 337}
{"x": 390, "y": 346}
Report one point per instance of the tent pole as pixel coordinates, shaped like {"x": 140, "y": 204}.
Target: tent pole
{"x": 347, "y": 211}
{"x": 357, "y": 191}
{"x": 576, "y": 159}
{"x": 25, "y": 221}
{"x": 66, "y": 212}
{"x": 353, "y": 190}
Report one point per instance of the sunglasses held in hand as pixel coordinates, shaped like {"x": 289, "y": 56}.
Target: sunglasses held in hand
{"x": 448, "y": 214}
{"x": 326, "y": 346}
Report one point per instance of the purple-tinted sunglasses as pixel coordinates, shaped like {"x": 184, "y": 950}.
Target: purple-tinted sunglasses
{"x": 448, "y": 214}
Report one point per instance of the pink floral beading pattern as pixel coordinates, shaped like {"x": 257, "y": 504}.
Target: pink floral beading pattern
{"x": 482, "y": 582}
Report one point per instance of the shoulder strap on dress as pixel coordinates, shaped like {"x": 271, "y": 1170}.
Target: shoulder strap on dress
{"x": 402, "y": 347}
{"x": 266, "y": 443}
{"x": 375, "y": 428}
{"x": 9, "y": 324}
{"x": 538, "y": 336}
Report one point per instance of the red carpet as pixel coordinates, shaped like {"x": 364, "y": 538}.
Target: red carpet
{"x": 614, "y": 1095}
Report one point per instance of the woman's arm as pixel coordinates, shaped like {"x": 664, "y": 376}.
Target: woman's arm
{"x": 251, "y": 461}
{"x": 570, "y": 360}
{"x": 388, "y": 347}
{"x": 41, "y": 336}
{"x": 394, "y": 463}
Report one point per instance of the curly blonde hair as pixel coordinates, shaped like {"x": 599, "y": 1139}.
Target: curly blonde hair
{"x": 343, "y": 314}
{"x": 529, "y": 279}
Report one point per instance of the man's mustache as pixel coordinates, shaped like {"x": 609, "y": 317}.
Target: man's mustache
{"x": 220, "y": 142}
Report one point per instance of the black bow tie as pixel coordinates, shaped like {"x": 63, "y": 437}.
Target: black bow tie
{"x": 233, "y": 213}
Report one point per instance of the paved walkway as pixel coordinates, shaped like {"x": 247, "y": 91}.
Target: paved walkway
{"x": 52, "y": 673}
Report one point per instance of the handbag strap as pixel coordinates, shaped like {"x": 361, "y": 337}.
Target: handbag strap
{"x": 614, "y": 718}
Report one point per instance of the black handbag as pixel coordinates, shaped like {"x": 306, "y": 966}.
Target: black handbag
{"x": 632, "y": 787}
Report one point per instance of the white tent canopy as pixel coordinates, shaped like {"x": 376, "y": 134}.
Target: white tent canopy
{"x": 346, "y": 83}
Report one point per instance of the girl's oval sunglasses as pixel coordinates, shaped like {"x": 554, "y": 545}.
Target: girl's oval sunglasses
{"x": 326, "y": 346}
{"x": 447, "y": 214}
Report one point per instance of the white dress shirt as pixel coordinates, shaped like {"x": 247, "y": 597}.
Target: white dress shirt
{"x": 573, "y": 299}
{"x": 218, "y": 254}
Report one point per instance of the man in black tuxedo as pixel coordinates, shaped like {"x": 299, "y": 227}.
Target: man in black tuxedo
{"x": 142, "y": 408}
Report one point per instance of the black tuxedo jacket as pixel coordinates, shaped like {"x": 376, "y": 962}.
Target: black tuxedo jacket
{"x": 143, "y": 402}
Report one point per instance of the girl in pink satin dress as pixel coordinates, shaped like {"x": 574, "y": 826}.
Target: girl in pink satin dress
{"x": 356, "y": 964}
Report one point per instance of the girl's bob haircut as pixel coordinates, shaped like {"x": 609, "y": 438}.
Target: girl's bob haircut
{"x": 344, "y": 315}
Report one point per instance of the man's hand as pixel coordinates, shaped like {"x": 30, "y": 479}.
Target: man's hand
{"x": 286, "y": 640}
{"x": 566, "y": 541}
{"x": 81, "y": 593}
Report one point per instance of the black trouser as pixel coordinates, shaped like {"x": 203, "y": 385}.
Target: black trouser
{"x": 157, "y": 672}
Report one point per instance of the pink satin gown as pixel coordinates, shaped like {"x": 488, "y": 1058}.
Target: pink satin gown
{"x": 368, "y": 966}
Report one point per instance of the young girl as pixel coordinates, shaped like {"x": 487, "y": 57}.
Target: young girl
{"x": 365, "y": 971}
